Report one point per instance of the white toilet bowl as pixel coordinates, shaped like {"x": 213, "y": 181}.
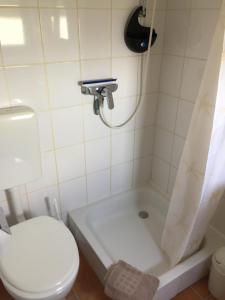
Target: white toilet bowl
{"x": 41, "y": 260}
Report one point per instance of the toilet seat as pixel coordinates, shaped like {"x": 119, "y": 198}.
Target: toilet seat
{"x": 41, "y": 257}
{"x": 55, "y": 294}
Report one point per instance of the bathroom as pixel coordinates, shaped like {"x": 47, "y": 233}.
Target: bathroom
{"x": 47, "y": 48}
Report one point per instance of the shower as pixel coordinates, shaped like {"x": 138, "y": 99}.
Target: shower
{"x": 138, "y": 39}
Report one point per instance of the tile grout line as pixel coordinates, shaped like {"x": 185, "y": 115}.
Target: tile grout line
{"x": 83, "y": 105}
{"x": 50, "y": 110}
{"x": 158, "y": 94}
{"x": 178, "y": 103}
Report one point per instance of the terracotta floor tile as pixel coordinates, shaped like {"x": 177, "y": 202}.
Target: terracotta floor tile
{"x": 211, "y": 298}
{"x": 201, "y": 287}
{"x": 72, "y": 296}
{"x": 3, "y": 294}
{"x": 187, "y": 294}
{"x": 87, "y": 285}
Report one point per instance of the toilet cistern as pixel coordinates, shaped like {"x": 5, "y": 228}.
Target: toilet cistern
{"x": 20, "y": 157}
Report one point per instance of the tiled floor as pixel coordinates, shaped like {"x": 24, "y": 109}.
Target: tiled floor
{"x": 88, "y": 287}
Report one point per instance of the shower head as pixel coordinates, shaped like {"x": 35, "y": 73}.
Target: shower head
{"x": 137, "y": 36}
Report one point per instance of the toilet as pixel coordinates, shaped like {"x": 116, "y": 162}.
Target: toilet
{"x": 39, "y": 258}
{"x": 40, "y": 261}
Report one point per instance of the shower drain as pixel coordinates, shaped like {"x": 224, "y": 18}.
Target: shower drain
{"x": 143, "y": 214}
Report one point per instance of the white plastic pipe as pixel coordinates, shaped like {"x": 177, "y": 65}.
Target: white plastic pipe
{"x": 14, "y": 198}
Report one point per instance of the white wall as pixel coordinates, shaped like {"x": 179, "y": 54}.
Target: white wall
{"x": 189, "y": 26}
{"x": 46, "y": 47}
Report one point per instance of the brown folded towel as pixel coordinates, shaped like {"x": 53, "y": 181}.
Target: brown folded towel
{"x": 123, "y": 282}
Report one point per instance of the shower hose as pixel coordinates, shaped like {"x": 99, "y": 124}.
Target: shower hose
{"x": 142, "y": 85}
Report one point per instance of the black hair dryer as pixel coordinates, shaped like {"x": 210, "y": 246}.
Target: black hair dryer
{"x": 136, "y": 36}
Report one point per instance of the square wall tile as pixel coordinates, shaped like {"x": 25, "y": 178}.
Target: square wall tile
{"x": 119, "y": 20}
{"x": 163, "y": 144}
{"x": 160, "y": 4}
{"x": 93, "y": 126}
{"x": 60, "y": 34}
{"x": 176, "y": 28}
{"x": 142, "y": 171}
{"x": 177, "y": 150}
{"x": 153, "y": 75}
{"x": 177, "y": 4}
{"x": 192, "y": 78}
{"x": 167, "y": 111}
{"x": 95, "y": 33}
{"x": 121, "y": 177}
{"x": 95, "y": 69}
{"x": 45, "y": 131}
{"x": 73, "y": 194}
{"x": 27, "y": 86}
{"x": 97, "y": 155}
{"x": 160, "y": 174}
{"x": 94, "y": 4}
{"x": 98, "y": 185}
{"x": 48, "y": 177}
{"x": 184, "y": 118}
{"x": 122, "y": 147}
{"x": 19, "y": 3}
{"x": 147, "y": 111}
{"x": 4, "y": 97}
{"x": 201, "y": 29}
{"x": 124, "y": 3}
{"x": 126, "y": 70}
{"x": 40, "y": 201}
{"x": 64, "y": 90}
{"x": 20, "y": 36}
{"x": 206, "y": 3}
{"x": 68, "y": 126}
{"x": 57, "y": 3}
{"x": 159, "y": 24}
{"x": 70, "y": 162}
{"x": 171, "y": 71}
{"x": 143, "y": 142}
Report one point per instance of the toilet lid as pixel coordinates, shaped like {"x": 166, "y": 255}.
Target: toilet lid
{"x": 41, "y": 254}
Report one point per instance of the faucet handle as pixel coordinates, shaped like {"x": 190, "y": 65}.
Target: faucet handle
{"x": 109, "y": 98}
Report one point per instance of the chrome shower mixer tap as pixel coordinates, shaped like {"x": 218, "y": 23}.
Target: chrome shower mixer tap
{"x": 100, "y": 89}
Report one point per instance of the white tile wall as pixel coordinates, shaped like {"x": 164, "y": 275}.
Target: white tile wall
{"x": 201, "y": 28}
{"x": 121, "y": 178}
{"x": 60, "y": 34}
{"x": 176, "y": 26}
{"x": 20, "y": 36}
{"x": 27, "y": 86}
{"x": 171, "y": 74}
{"x": 95, "y": 33}
{"x": 98, "y": 185}
{"x": 47, "y": 46}
{"x": 73, "y": 194}
{"x": 189, "y": 27}
{"x": 70, "y": 162}
{"x": 97, "y": 155}
{"x": 68, "y": 126}
{"x": 62, "y": 81}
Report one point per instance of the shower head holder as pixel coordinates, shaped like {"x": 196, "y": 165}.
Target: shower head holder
{"x": 136, "y": 36}
{"x": 100, "y": 89}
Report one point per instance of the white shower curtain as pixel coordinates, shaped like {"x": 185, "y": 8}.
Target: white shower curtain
{"x": 200, "y": 180}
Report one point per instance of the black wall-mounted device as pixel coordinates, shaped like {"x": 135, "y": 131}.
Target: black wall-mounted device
{"x": 136, "y": 36}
